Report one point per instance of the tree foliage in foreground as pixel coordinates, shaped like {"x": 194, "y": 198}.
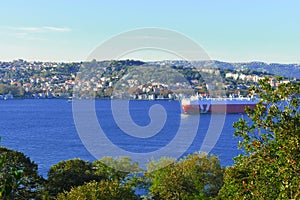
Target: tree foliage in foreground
{"x": 71, "y": 173}
{"x": 196, "y": 176}
{"x": 19, "y": 177}
{"x": 115, "y": 169}
{"x": 108, "y": 171}
{"x": 271, "y": 140}
{"x": 104, "y": 190}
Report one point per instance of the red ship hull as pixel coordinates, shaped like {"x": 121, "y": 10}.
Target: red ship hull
{"x": 217, "y": 108}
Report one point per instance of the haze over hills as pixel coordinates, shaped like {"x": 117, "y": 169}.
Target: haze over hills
{"x": 278, "y": 69}
{"x": 285, "y": 70}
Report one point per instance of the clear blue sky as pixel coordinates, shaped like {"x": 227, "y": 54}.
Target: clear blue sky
{"x": 228, "y": 30}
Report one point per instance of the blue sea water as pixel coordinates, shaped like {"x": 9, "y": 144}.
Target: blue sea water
{"x": 45, "y": 130}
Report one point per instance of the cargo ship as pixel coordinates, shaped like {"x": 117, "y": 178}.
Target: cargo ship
{"x": 196, "y": 105}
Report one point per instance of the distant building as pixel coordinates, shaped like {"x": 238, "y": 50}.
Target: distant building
{"x": 8, "y": 97}
{"x": 210, "y": 86}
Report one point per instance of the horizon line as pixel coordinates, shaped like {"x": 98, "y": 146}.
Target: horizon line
{"x": 147, "y": 61}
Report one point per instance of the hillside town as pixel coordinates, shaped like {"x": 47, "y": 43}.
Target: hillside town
{"x": 23, "y": 79}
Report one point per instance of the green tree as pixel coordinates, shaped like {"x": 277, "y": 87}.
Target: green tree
{"x": 71, "y": 173}
{"x": 16, "y": 91}
{"x": 196, "y": 176}
{"x": 117, "y": 181}
{"x": 19, "y": 177}
{"x": 270, "y": 168}
{"x": 104, "y": 190}
{"x": 115, "y": 169}
{"x": 4, "y": 89}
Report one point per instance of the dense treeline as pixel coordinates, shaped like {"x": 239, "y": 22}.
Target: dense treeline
{"x": 268, "y": 169}
{"x": 16, "y": 91}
